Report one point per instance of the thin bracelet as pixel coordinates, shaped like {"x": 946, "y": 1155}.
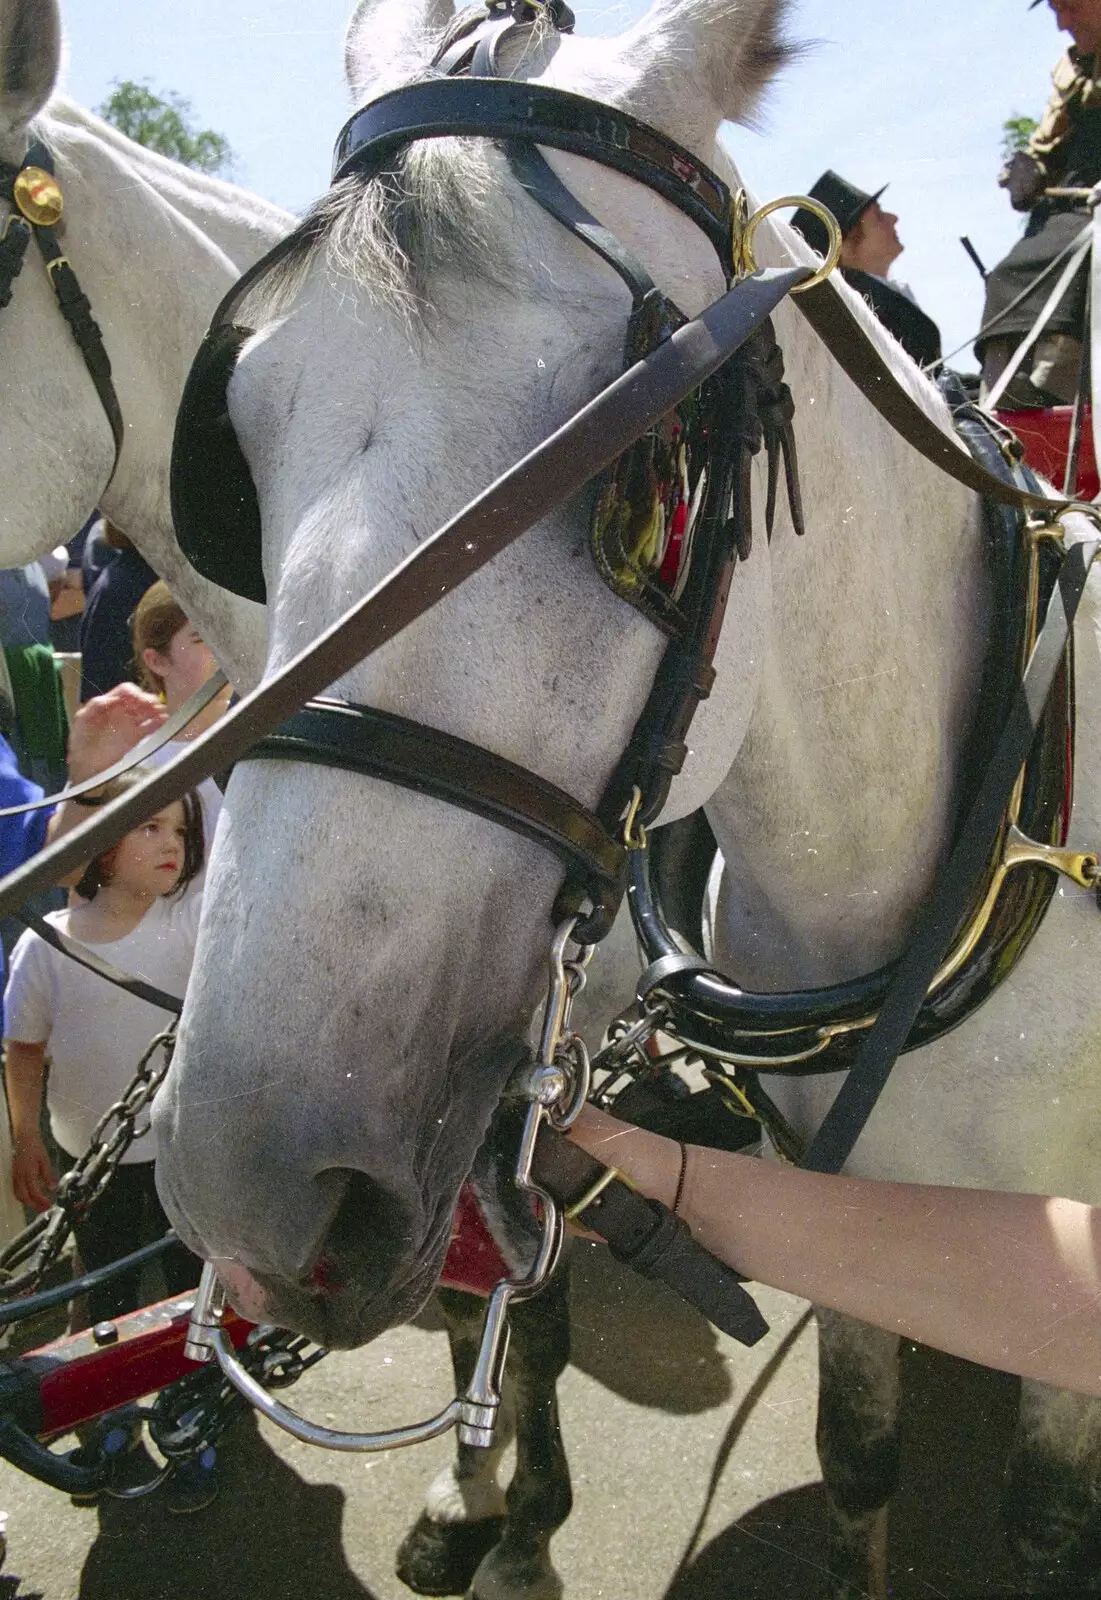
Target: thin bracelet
{"x": 683, "y": 1174}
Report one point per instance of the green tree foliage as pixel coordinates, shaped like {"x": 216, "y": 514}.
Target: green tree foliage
{"x": 1016, "y": 132}
{"x": 165, "y": 124}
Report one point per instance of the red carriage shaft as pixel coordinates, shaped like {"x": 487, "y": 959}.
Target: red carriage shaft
{"x": 81, "y": 1377}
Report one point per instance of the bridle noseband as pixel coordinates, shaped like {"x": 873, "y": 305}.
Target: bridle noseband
{"x": 35, "y": 196}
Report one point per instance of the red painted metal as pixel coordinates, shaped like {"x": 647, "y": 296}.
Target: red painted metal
{"x": 1046, "y": 438}
{"x": 79, "y": 1379}
{"x": 474, "y": 1262}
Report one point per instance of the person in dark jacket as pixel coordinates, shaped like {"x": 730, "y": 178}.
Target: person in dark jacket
{"x": 1064, "y": 152}
{"x": 107, "y": 654}
{"x": 869, "y": 248}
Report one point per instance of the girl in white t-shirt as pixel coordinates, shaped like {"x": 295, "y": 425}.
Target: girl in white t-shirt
{"x": 135, "y": 913}
{"x": 172, "y": 662}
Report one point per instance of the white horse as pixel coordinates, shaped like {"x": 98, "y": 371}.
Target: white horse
{"x": 155, "y": 246}
{"x": 368, "y": 956}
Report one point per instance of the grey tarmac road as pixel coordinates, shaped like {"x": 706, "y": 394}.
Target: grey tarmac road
{"x": 693, "y": 1468}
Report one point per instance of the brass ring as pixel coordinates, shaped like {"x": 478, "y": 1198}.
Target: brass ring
{"x": 833, "y": 255}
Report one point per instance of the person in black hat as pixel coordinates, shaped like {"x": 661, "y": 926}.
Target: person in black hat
{"x": 1063, "y": 153}
{"x": 869, "y": 247}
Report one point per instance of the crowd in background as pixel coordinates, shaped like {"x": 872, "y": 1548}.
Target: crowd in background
{"x": 96, "y": 654}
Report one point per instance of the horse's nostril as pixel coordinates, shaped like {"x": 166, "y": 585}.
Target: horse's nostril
{"x": 370, "y": 1236}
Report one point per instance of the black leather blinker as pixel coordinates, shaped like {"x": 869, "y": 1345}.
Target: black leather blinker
{"x": 214, "y": 505}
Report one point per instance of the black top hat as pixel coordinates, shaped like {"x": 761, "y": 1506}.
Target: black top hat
{"x": 847, "y": 203}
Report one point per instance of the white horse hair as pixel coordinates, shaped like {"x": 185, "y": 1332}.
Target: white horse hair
{"x": 355, "y": 458}
{"x": 155, "y": 246}
{"x": 369, "y": 957}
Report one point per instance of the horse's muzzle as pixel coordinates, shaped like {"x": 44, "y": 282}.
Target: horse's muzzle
{"x": 372, "y": 1271}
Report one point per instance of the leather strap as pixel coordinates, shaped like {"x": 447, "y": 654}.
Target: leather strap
{"x": 541, "y": 181}
{"x": 378, "y": 744}
{"x": 658, "y": 745}
{"x": 833, "y": 321}
{"x": 645, "y": 1235}
{"x": 77, "y": 311}
{"x": 503, "y": 108}
{"x": 866, "y": 1079}
{"x": 1092, "y": 356}
{"x": 13, "y": 252}
{"x": 548, "y": 475}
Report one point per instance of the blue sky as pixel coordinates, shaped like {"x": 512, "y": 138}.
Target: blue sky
{"x": 908, "y": 94}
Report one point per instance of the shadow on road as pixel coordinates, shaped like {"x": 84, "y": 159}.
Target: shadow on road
{"x": 269, "y": 1536}
{"x": 636, "y": 1338}
{"x": 945, "y": 1540}
{"x": 640, "y": 1340}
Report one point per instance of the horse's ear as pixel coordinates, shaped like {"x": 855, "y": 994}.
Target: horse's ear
{"x": 697, "y": 62}
{"x": 390, "y": 41}
{"x": 30, "y": 58}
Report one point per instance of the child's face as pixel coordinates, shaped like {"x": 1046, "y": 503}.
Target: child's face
{"x": 185, "y": 665}
{"x": 150, "y": 860}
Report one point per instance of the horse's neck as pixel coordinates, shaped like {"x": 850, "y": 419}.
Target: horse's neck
{"x": 839, "y": 803}
{"x": 155, "y": 248}
{"x": 241, "y": 224}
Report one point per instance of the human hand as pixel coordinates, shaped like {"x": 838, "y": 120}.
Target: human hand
{"x": 66, "y": 595}
{"x": 107, "y": 728}
{"x": 1024, "y": 177}
{"x": 33, "y": 1179}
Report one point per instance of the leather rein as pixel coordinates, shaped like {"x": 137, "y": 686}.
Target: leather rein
{"x": 35, "y": 196}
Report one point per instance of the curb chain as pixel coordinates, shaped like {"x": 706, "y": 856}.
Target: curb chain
{"x": 42, "y": 1241}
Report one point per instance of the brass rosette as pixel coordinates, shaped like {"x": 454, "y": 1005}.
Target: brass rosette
{"x": 38, "y": 195}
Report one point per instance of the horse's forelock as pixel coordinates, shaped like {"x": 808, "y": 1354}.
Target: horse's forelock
{"x": 431, "y": 210}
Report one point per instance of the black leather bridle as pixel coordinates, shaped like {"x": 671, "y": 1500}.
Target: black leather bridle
{"x": 25, "y": 219}
{"x": 753, "y": 407}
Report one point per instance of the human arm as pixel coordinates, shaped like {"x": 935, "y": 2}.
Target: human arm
{"x": 33, "y": 1177}
{"x": 1007, "y": 1280}
{"x": 104, "y": 730}
{"x": 1029, "y": 171}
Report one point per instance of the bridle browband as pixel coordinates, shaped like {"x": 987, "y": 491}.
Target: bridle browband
{"x": 504, "y": 108}
{"x": 36, "y": 199}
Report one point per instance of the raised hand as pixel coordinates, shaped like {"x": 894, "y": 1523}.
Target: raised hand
{"x": 108, "y": 727}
